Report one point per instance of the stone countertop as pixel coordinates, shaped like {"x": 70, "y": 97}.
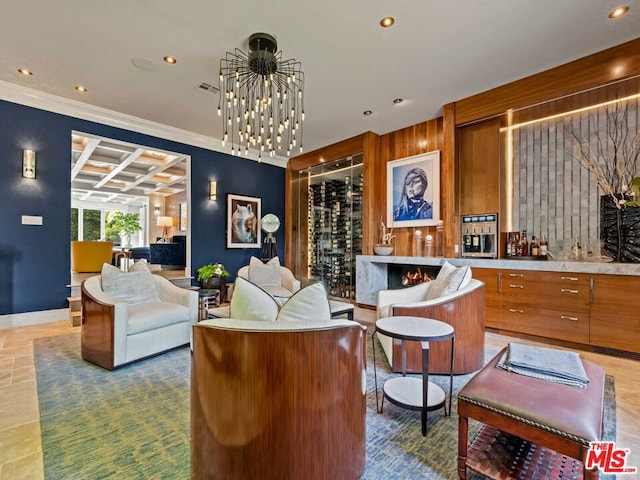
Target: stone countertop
{"x": 595, "y": 267}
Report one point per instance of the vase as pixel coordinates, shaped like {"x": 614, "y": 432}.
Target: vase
{"x": 382, "y": 249}
{"x": 217, "y": 283}
{"x": 619, "y": 231}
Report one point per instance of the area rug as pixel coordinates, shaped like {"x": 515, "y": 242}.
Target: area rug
{"x": 133, "y": 423}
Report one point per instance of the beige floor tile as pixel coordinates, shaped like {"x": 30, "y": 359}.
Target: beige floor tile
{"x": 18, "y": 405}
{"x": 19, "y": 442}
{"x": 30, "y": 467}
{"x": 14, "y": 352}
{"x": 24, "y": 374}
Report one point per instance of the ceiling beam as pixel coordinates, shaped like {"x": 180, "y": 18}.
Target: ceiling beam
{"x": 84, "y": 156}
{"x": 124, "y": 164}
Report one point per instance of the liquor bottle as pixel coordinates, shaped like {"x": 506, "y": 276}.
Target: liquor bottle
{"x": 517, "y": 246}
{"x": 509, "y": 245}
{"x": 576, "y": 249}
{"x": 534, "y": 247}
{"x": 525, "y": 244}
{"x": 544, "y": 246}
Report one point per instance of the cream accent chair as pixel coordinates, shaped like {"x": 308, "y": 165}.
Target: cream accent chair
{"x": 290, "y": 284}
{"x": 115, "y": 333}
{"x": 463, "y": 309}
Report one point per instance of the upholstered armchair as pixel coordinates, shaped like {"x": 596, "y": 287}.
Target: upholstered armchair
{"x": 281, "y": 284}
{"x": 463, "y": 309}
{"x": 90, "y": 256}
{"x": 283, "y": 399}
{"x": 149, "y": 315}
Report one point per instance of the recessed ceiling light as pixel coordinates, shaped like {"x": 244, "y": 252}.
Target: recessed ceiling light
{"x": 618, "y": 12}
{"x": 367, "y": 112}
{"x": 26, "y": 72}
{"x": 387, "y": 22}
{"x": 170, "y": 59}
{"x": 81, "y": 89}
{"x": 398, "y": 100}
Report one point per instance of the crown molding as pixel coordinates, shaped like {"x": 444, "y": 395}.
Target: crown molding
{"x": 19, "y": 94}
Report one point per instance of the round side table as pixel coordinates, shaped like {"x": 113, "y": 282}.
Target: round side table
{"x": 410, "y": 392}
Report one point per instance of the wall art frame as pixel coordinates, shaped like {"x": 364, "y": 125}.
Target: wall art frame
{"x": 243, "y": 221}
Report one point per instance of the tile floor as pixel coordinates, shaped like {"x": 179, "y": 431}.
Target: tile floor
{"x": 20, "y": 444}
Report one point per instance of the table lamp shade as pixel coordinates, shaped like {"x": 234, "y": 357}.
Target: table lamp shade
{"x": 164, "y": 222}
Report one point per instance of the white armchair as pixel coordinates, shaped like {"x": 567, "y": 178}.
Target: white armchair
{"x": 115, "y": 333}
{"x": 463, "y": 309}
{"x": 288, "y": 283}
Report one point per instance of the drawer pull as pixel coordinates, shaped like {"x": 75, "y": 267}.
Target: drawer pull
{"x": 573, "y": 279}
{"x": 516, "y": 286}
{"x": 567, "y": 317}
{"x": 568, "y": 290}
{"x": 515, "y": 310}
{"x": 519, "y": 275}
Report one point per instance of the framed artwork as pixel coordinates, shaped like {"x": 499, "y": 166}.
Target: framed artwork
{"x": 243, "y": 218}
{"x": 413, "y": 191}
{"x": 182, "y": 218}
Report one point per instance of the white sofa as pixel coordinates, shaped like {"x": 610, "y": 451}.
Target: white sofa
{"x": 115, "y": 333}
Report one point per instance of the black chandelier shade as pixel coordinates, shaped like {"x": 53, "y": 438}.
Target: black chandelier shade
{"x": 261, "y": 99}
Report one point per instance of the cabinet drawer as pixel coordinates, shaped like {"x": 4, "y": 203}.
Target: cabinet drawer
{"x": 547, "y": 295}
{"x": 560, "y": 324}
{"x": 566, "y": 279}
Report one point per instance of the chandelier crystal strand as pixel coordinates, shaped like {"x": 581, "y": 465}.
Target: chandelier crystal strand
{"x": 262, "y": 107}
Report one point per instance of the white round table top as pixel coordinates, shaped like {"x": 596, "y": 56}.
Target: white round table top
{"x": 414, "y": 328}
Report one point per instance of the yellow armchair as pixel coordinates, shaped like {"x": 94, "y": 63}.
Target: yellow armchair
{"x": 89, "y": 256}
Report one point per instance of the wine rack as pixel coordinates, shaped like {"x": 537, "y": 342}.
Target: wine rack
{"x": 335, "y": 229}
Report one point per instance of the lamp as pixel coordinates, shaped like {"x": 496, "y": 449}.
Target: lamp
{"x": 29, "y": 164}
{"x": 213, "y": 190}
{"x": 263, "y": 105}
{"x": 165, "y": 222}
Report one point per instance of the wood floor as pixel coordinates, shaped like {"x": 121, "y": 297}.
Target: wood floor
{"x": 21, "y": 447}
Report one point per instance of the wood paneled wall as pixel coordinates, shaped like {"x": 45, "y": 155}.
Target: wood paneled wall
{"x": 414, "y": 140}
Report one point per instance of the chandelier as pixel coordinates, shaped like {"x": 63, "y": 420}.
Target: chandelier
{"x": 262, "y": 106}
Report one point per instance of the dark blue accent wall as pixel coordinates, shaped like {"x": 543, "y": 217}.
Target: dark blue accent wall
{"x": 35, "y": 260}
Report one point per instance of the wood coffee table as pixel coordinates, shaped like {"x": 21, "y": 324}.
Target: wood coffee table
{"x": 533, "y": 428}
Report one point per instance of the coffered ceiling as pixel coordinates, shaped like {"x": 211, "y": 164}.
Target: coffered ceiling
{"x": 112, "y": 172}
{"x": 437, "y": 52}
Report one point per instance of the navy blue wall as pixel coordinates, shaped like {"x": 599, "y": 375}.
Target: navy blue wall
{"x": 35, "y": 260}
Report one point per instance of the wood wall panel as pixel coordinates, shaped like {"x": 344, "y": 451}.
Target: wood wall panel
{"x": 605, "y": 67}
{"x": 420, "y": 138}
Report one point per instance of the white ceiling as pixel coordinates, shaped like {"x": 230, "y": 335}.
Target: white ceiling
{"x": 437, "y": 52}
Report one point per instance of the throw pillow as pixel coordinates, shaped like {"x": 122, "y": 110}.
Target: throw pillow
{"x": 250, "y": 302}
{"x": 309, "y": 303}
{"x": 265, "y": 273}
{"x": 450, "y": 279}
{"x": 133, "y": 287}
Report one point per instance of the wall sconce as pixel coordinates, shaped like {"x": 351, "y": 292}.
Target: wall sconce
{"x": 29, "y": 164}
{"x": 213, "y": 190}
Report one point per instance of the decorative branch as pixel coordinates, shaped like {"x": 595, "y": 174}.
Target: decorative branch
{"x": 613, "y": 173}
{"x": 385, "y": 237}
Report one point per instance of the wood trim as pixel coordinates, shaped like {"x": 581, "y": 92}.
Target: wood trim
{"x": 97, "y": 334}
{"x": 342, "y": 149}
{"x": 602, "y": 68}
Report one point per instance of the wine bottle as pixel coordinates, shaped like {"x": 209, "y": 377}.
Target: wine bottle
{"x": 535, "y": 248}
{"x": 544, "y": 246}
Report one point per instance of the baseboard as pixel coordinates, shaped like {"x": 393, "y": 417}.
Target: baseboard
{"x": 33, "y": 318}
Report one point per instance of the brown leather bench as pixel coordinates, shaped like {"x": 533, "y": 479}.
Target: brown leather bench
{"x": 530, "y": 424}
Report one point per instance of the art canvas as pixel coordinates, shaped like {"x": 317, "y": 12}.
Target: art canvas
{"x": 243, "y": 218}
{"x": 413, "y": 191}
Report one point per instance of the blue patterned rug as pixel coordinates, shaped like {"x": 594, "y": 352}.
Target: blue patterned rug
{"x": 133, "y": 423}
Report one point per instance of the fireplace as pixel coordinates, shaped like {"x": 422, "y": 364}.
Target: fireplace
{"x": 403, "y": 276}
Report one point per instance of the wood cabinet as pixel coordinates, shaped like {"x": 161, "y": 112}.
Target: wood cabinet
{"x": 615, "y": 316}
{"x": 479, "y": 157}
{"x": 592, "y": 309}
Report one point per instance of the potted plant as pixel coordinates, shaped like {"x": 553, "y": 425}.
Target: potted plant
{"x": 126, "y": 224}
{"x": 213, "y": 275}
{"x": 384, "y": 247}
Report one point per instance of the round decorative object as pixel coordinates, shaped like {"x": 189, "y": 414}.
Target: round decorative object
{"x": 382, "y": 249}
{"x": 270, "y": 223}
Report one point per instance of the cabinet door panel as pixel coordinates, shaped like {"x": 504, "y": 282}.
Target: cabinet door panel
{"x": 615, "y": 316}
{"x": 491, "y": 277}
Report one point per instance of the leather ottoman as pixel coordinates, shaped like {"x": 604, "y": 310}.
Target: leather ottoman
{"x": 538, "y": 428}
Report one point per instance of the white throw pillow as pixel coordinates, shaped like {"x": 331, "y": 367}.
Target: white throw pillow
{"x": 133, "y": 287}
{"x": 450, "y": 279}
{"x": 250, "y": 302}
{"x": 265, "y": 273}
{"x": 309, "y": 303}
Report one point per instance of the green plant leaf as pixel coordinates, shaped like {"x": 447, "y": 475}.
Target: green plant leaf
{"x": 635, "y": 186}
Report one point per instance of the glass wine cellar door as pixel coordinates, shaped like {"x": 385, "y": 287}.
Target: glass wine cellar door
{"x": 334, "y": 229}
